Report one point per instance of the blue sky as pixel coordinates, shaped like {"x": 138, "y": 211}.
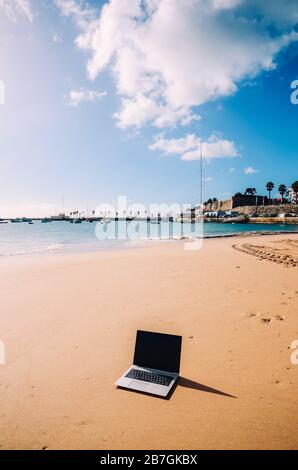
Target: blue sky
{"x": 101, "y": 103}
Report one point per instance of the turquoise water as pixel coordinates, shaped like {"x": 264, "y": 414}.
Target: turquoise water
{"x": 61, "y": 237}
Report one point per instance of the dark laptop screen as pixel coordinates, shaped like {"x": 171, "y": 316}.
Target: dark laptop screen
{"x": 158, "y": 351}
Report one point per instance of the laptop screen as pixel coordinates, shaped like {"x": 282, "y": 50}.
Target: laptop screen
{"x": 158, "y": 351}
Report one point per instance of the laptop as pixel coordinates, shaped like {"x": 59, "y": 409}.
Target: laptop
{"x": 156, "y": 364}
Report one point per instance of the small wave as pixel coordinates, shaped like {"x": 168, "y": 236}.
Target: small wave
{"x": 49, "y": 248}
{"x": 252, "y": 233}
{"x": 168, "y": 238}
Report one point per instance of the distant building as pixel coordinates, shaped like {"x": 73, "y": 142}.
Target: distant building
{"x": 240, "y": 200}
{"x": 293, "y": 196}
{"x": 248, "y": 200}
{"x": 215, "y": 213}
{"x": 232, "y": 213}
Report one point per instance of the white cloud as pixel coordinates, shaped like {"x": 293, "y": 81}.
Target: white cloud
{"x": 84, "y": 17}
{"x": 176, "y": 146}
{"x": 189, "y": 147}
{"x": 250, "y": 170}
{"x": 14, "y": 8}
{"x": 78, "y": 96}
{"x": 208, "y": 179}
{"x": 232, "y": 170}
{"x": 78, "y": 10}
{"x": 142, "y": 109}
{"x": 167, "y": 56}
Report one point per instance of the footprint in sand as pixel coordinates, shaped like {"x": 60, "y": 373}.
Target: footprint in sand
{"x": 279, "y": 318}
{"x": 252, "y": 315}
{"x": 285, "y": 254}
{"x": 266, "y": 320}
{"x": 255, "y": 314}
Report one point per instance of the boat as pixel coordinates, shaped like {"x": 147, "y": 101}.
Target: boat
{"x": 155, "y": 221}
{"x": 241, "y": 219}
{"x": 77, "y": 221}
{"x": 45, "y": 220}
{"x": 15, "y": 221}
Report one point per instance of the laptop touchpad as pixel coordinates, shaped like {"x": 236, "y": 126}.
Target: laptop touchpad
{"x": 138, "y": 385}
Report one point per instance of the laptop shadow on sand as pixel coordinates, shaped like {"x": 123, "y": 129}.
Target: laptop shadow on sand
{"x": 186, "y": 383}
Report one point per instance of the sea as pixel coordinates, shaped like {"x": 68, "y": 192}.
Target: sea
{"x": 18, "y": 239}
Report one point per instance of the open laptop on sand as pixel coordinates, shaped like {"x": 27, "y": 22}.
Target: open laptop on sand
{"x": 156, "y": 364}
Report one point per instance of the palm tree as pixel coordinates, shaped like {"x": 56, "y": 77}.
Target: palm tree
{"x": 214, "y": 201}
{"x": 250, "y": 191}
{"x": 282, "y": 189}
{"x": 210, "y": 202}
{"x": 295, "y": 190}
{"x": 269, "y": 187}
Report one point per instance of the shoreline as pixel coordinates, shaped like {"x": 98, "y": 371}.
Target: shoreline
{"x": 135, "y": 244}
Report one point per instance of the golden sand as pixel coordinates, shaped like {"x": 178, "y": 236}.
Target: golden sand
{"x": 69, "y": 321}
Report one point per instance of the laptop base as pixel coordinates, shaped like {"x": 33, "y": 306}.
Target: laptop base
{"x": 147, "y": 387}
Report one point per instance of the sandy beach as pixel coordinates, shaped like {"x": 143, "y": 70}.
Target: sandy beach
{"x": 68, "y": 323}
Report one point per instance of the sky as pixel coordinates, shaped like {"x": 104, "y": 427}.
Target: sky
{"x": 101, "y": 99}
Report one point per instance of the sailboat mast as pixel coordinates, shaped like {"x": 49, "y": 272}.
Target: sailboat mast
{"x": 201, "y": 165}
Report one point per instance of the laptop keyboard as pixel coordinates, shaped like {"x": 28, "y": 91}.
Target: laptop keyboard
{"x": 151, "y": 377}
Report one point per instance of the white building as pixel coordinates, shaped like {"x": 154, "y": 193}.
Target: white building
{"x": 293, "y": 196}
